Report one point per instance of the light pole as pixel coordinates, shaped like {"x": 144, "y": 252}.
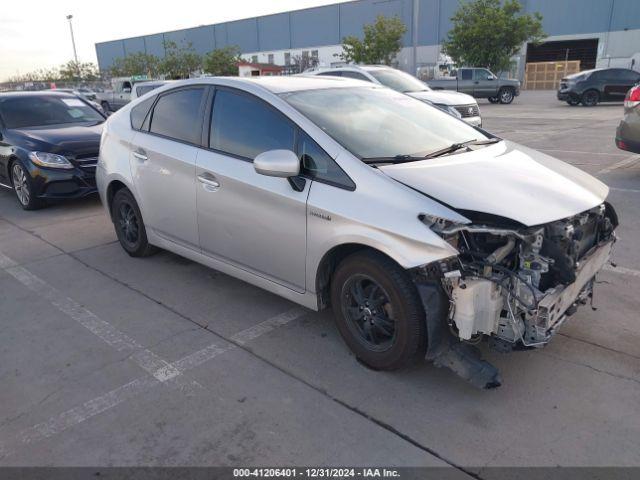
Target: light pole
{"x": 73, "y": 40}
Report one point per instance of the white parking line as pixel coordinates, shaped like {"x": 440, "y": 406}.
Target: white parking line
{"x": 626, "y": 190}
{"x": 59, "y": 423}
{"x": 622, "y": 270}
{"x": 581, "y": 152}
{"x": 146, "y": 359}
{"x": 625, "y": 162}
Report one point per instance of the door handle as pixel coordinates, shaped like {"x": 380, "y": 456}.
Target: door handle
{"x": 140, "y": 156}
{"x": 209, "y": 181}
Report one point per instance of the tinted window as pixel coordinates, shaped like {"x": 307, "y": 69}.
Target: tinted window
{"x": 177, "y": 115}
{"x": 356, "y": 75}
{"x": 466, "y": 74}
{"x": 379, "y": 122}
{"x": 142, "y": 89}
{"x": 331, "y": 74}
{"x": 628, "y": 76}
{"x": 317, "y": 164}
{"x": 36, "y": 111}
{"x": 245, "y": 126}
{"x": 139, "y": 113}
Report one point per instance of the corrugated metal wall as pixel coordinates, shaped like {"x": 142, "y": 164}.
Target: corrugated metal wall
{"x": 327, "y": 25}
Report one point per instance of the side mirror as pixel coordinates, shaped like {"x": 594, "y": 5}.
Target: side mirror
{"x": 277, "y": 163}
{"x": 491, "y": 77}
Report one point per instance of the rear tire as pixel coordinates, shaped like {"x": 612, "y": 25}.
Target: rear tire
{"x": 590, "y": 98}
{"x": 506, "y": 95}
{"x": 378, "y": 311}
{"x": 23, "y": 187}
{"x": 129, "y": 226}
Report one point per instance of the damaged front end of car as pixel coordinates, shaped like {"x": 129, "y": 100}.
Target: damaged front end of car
{"x": 510, "y": 285}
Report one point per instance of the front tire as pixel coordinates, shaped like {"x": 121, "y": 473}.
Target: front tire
{"x": 129, "y": 225}
{"x": 590, "y": 98}
{"x": 573, "y": 101}
{"x": 506, "y": 95}
{"x": 378, "y": 311}
{"x": 23, "y": 187}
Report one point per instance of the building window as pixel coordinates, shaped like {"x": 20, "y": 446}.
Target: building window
{"x": 287, "y": 58}
{"x": 270, "y": 58}
{"x": 254, "y": 59}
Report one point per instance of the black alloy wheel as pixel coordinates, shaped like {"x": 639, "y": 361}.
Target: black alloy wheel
{"x": 129, "y": 225}
{"x": 369, "y": 312}
{"x": 590, "y": 98}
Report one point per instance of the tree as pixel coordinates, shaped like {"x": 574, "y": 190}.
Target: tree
{"x": 381, "y": 43}
{"x": 179, "y": 62}
{"x": 487, "y": 33}
{"x": 81, "y": 71}
{"x": 222, "y": 62}
{"x": 135, "y": 64}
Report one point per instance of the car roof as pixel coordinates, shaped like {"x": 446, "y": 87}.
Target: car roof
{"x": 36, "y": 93}
{"x": 278, "y": 84}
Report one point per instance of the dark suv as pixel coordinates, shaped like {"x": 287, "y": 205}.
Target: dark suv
{"x": 600, "y": 85}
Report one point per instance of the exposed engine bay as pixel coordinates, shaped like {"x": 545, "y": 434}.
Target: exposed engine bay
{"x": 515, "y": 286}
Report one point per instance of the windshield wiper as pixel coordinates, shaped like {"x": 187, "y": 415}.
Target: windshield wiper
{"x": 395, "y": 159}
{"x": 413, "y": 158}
{"x": 457, "y": 146}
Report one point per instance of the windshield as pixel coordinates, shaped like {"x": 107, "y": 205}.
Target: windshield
{"x": 377, "y": 122}
{"x": 398, "y": 81}
{"x": 38, "y": 111}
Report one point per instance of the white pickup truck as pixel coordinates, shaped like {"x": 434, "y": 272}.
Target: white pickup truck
{"x": 118, "y": 96}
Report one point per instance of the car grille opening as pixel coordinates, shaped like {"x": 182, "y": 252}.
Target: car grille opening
{"x": 468, "y": 110}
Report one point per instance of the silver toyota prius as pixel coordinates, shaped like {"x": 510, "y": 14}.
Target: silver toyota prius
{"x": 425, "y": 235}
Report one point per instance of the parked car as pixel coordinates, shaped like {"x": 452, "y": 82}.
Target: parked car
{"x": 457, "y": 104}
{"x": 118, "y": 97}
{"x": 139, "y": 89}
{"x": 87, "y": 93}
{"x": 78, "y": 94}
{"x": 49, "y": 145}
{"x": 481, "y": 83}
{"x": 591, "y": 87}
{"x": 422, "y": 232}
{"x": 628, "y": 132}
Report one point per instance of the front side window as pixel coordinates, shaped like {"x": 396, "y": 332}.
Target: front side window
{"x": 318, "y": 165}
{"x": 482, "y": 74}
{"x": 379, "y": 122}
{"x": 177, "y": 115}
{"x": 40, "y": 111}
{"x": 245, "y": 126}
{"x": 398, "y": 81}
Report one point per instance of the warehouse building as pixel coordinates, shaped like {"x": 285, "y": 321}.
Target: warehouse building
{"x": 598, "y": 33}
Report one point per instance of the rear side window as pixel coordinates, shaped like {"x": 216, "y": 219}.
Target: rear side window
{"x": 331, "y": 74}
{"x": 245, "y": 126}
{"x": 178, "y": 115}
{"x": 466, "y": 74}
{"x": 355, "y": 75}
{"x": 318, "y": 165}
{"x": 139, "y": 114}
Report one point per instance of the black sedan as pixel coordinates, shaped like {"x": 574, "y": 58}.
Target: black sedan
{"x": 49, "y": 145}
{"x": 593, "y": 86}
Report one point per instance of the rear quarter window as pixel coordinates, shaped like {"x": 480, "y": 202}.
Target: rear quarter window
{"x": 139, "y": 114}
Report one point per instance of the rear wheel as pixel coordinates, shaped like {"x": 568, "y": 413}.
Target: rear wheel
{"x": 129, "y": 225}
{"x": 378, "y": 311}
{"x": 506, "y": 95}
{"x": 23, "y": 187}
{"x": 590, "y": 98}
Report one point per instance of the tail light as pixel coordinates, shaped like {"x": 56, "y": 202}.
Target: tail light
{"x": 633, "y": 98}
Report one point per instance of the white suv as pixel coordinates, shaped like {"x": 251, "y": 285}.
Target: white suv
{"x": 458, "y": 104}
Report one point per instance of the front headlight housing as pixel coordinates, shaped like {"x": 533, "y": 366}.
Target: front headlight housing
{"x": 50, "y": 160}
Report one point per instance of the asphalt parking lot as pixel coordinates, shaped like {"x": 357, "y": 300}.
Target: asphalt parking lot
{"x": 110, "y": 360}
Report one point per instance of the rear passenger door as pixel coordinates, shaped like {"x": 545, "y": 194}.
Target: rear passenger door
{"x": 163, "y": 163}
{"x": 252, "y": 221}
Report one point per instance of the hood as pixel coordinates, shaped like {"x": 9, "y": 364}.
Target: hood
{"x": 444, "y": 97}
{"x": 64, "y": 140}
{"x": 507, "y": 180}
